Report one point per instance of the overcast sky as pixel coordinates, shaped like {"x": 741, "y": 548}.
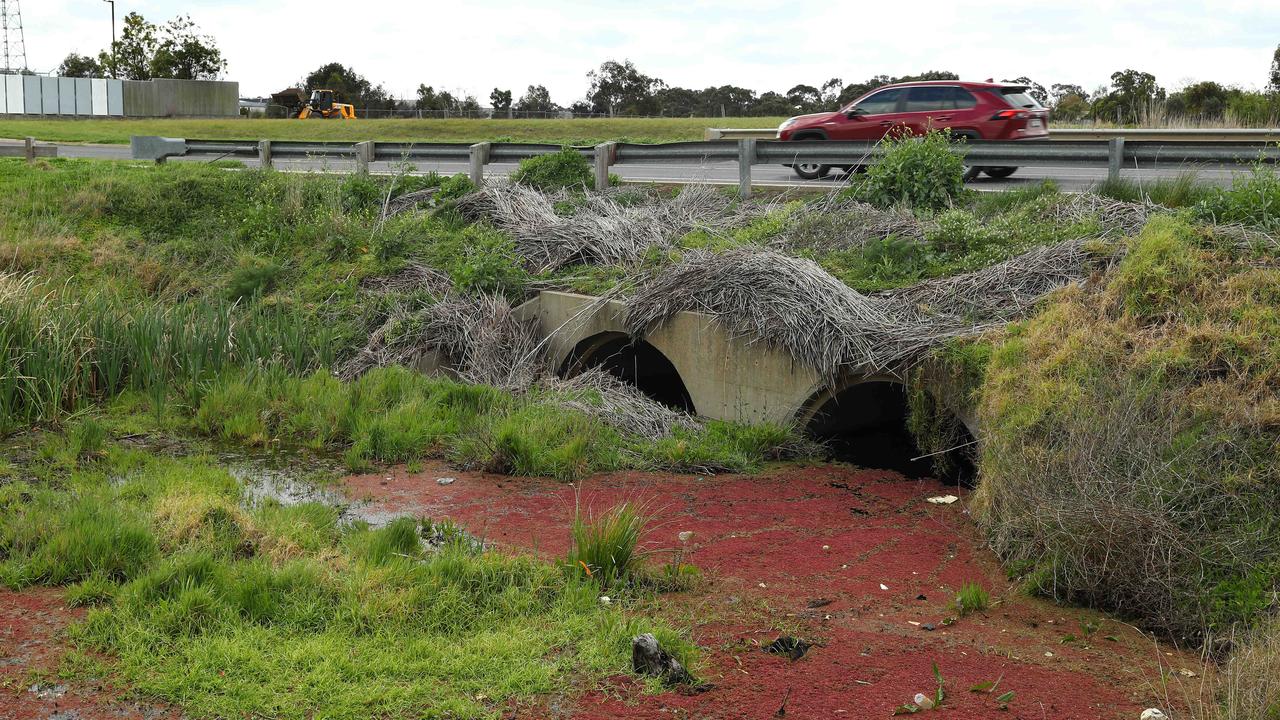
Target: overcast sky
{"x": 475, "y": 45}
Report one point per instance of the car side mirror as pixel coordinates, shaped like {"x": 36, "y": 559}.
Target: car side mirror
{"x": 854, "y": 114}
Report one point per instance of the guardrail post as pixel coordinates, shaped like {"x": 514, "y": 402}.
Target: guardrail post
{"x": 31, "y": 150}
{"x": 479, "y": 158}
{"x": 1115, "y": 158}
{"x": 364, "y": 156}
{"x": 264, "y": 154}
{"x": 746, "y": 156}
{"x": 604, "y": 158}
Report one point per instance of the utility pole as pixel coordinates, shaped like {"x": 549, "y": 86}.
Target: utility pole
{"x": 11, "y": 25}
{"x": 113, "y": 36}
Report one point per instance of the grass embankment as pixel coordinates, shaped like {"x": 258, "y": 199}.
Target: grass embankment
{"x": 565, "y": 132}
{"x": 181, "y": 285}
{"x": 230, "y": 609}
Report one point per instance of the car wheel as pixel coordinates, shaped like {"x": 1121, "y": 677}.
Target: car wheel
{"x": 811, "y": 171}
{"x": 971, "y": 173}
{"x": 1000, "y": 172}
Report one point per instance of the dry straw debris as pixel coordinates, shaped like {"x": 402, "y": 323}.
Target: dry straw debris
{"x": 793, "y": 304}
{"x": 609, "y": 229}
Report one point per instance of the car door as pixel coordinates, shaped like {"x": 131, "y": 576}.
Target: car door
{"x": 928, "y": 108}
{"x": 872, "y": 117}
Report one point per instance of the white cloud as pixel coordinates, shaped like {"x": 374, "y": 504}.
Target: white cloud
{"x": 474, "y": 46}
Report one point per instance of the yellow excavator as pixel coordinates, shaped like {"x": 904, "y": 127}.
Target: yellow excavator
{"x": 320, "y": 105}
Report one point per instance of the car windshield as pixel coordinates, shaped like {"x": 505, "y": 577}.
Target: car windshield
{"x": 1019, "y": 97}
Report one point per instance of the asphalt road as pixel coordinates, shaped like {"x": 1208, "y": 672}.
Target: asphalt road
{"x": 1068, "y": 179}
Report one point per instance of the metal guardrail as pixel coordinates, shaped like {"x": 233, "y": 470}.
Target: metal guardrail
{"x": 1205, "y": 135}
{"x": 1115, "y": 154}
{"x": 29, "y": 150}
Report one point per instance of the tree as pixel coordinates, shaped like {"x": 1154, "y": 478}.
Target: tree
{"x": 79, "y": 66}
{"x": 618, "y": 87}
{"x": 1131, "y": 95}
{"x": 1059, "y": 91}
{"x": 1206, "y": 99}
{"x": 349, "y": 86}
{"x": 1273, "y": 78}
{"x": 536, "y": 99}
{"x": 1034, "y": 89}
{"x": 805, "y": 98}
{"x": 772, "y": 103}
{"x": 175, "y": 50}
{"x": 500, "y": 100}
{"x": 1070, "y": 108}
{"x": 445, "y": 102}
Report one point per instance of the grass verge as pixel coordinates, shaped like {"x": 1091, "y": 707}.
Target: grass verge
{"x": 230, "y": 609}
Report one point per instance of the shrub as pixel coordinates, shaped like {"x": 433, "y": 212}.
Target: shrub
{"x": 1129, "y": 446}
{"x": 564, "y": 170}
{"x": 919, "y": 172}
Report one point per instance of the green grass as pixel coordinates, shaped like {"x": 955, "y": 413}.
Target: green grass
{"x": 394, "y": 415}
{"x": 972, "y": 598}
{"x": 229, "y": 610}
{"x": 571, "y": 132}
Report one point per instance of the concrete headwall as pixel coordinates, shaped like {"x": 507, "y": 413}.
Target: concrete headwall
{"x": 104, "y": 97}
{"x": 728, "y": 378}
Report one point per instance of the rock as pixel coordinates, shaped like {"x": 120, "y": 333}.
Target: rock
{"x": 648, "y": 658}
{"x": 924, "y": 701}
{"x": 943, "y": 499}
{"x": 1153, "y": 714}
{"x": 445, "y": 481}
{"x": 819, "y": 602}
{"x": 685, "y": 536}
{"x": 793, "y": 648}
{"x": 606, "y": 600}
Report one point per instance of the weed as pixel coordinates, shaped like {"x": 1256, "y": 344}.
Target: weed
{"x": 1253, "y": 199}
{"x": 917, "y": 172}
{"x": 564, "y": 170}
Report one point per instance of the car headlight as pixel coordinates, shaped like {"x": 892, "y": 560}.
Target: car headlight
{"x": 787, "y": 123}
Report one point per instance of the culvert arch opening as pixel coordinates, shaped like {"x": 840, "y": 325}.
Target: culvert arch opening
{"x": 632, "y": 361}
{"x": 866, "y": 423}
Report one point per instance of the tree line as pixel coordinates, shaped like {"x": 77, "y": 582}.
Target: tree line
{"x": 177, "y": 49}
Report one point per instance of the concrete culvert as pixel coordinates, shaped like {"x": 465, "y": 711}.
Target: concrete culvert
{"x": 866, "y": 424}
{"x": 632, "y": 361}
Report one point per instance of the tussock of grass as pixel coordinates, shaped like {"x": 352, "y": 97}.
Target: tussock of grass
{"x": 196, "y": 610}
{"x": 972, "y": 598}
{"x": 606, "y": 548}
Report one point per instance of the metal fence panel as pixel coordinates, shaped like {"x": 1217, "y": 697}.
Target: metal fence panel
{"x": 98, "y": 93}
{"x": 49, "y": 95}
{"x": 84, "y": 96}
{"x": 31, "y": 95}
{"x": 66, "y": 96}
{"x": 4, "y": 94}
{"x": 115, "y": 98}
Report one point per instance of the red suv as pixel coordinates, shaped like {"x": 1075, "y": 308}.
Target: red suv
{"x": 979, "y": 111}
